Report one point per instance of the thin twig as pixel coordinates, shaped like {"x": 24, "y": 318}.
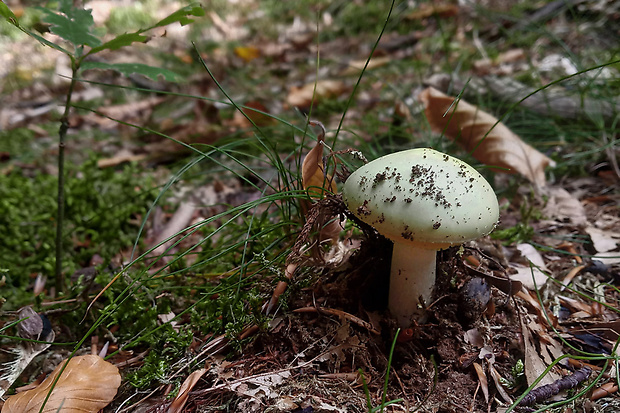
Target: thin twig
{"x": 339, "y": 313}
{"x": 60, "y": 213}
{"x": 611, "y": 154}
{"x": 545, "y": 392}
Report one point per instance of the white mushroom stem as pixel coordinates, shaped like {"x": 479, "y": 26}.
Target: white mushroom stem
{"x": 412, "y": 280}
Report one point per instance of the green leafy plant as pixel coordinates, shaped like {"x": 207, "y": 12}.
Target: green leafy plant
{"x": 518, "y": 376}
{"x": 77, "y": 28}
{"x": 522, "y": 231}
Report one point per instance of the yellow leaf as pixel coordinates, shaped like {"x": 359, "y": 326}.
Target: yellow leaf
{"x": 471, "y": 128}
{"x": 247, "y": 53}
{"x": 87, "y": 385}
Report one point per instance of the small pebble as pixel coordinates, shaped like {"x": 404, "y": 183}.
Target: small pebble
{"x": 475, "y": 296}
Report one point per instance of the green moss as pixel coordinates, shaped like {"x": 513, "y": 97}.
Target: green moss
{"x": 102, "y": 207}
{"x": 168, "y": 347}
{"x": 522, "y": 231}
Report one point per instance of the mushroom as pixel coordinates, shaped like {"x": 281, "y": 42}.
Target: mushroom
{"x": 423, "y": 201}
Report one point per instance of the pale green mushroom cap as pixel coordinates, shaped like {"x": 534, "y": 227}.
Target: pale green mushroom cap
{"x": 423, "y": 197}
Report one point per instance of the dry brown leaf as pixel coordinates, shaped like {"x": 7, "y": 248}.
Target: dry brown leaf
{"x": 575, "y": 305}
{"x": 123, "y": 156}
{"x": 473, "y": 337}
{"x": 187, "y": 386}
{"x": 571, "y": 274}
{"x": 608, "y": 258}
{"x": 471, "y": 128}
{"x": 256, "y": 112}
{"x": 325, "y": 89}
{"x": 87, "y": 384}
{"x": 355, "y": 67}
{"x": 538, "y": 359}
{"x": 482, "y": 379}
{"x": 603, "y": 241}
{"x": 497, "y": 379}
{"x": 317, "y": 183}
{"x": 562, "y": 205}
{"x": 531, "y": 277}
{"x": 261, "y": 385}
{"x": 605, "y": 390}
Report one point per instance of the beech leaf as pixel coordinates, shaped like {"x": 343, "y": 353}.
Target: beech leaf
{"x": 313, "y": 176}
{"x": 86, "y": 385}
{"x": 471, "y": 128}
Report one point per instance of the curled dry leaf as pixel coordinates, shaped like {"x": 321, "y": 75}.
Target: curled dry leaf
{"x": 176, "y": 225}
{"x": 313, "y": 175}
{"x": 187, "y": 386}
{"x": 497, "y": 379}
{"x": 605, "y": 390}
{"x": 87, "y": 384}
{"x": 471, "y": 128}
{"x": 317, "y": 183}
{"x": 482, "y": 379}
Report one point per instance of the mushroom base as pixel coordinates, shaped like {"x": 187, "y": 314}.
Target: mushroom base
{"x": 412, "y": 278}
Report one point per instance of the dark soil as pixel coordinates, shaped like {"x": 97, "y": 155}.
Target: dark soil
{"x": 432, "y": 364}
